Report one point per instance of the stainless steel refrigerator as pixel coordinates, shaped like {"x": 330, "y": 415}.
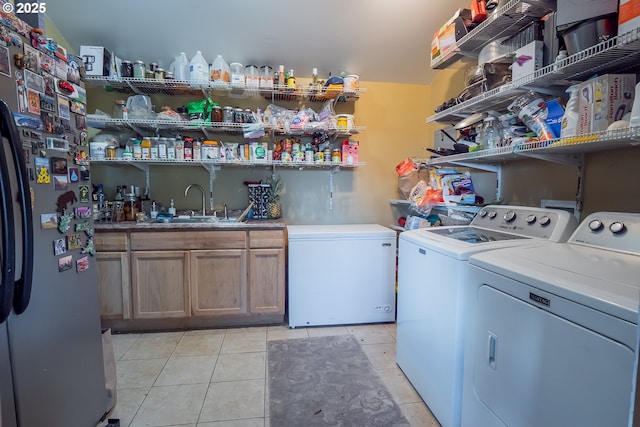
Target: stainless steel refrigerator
{"x": 51, "y": 357}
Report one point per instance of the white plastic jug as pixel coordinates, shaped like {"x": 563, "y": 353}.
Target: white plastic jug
{"x": 180, "y": 67}
{"x": 237, "y": 75}
{"x": 199, "y": 68}
{"x": 220, "y": 71}
{"x": 571, "y": 119}
{"x": 635, "y": 110}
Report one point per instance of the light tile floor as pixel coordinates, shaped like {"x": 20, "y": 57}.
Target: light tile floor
{"x": 218, "y": 377}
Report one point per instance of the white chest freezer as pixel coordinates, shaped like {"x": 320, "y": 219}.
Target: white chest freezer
{"x": 341, "y": 274}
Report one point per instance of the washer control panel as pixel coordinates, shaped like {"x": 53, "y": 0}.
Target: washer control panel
{"x": 543, "y": 223}
{"x": 612, "y": 230}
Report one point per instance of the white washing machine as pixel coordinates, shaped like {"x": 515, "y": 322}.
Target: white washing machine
{"x": 432, "y": 270}
{"x": 550, "y": 336}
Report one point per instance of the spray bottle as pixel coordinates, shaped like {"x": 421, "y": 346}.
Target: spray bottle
{"x": 570, "y": 120}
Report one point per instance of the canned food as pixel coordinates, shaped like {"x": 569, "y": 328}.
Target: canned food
{"x": 110, "y": 152}
{"x": 327, "y": 155}
{"x": 318, "y": 157}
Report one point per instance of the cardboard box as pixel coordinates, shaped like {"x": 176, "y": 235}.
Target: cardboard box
{"x": 628, "y": 16}
{"x": 97, "y": 60}
{"x": 350, "y": 152}
{"x": 604, "y": 100}
{"x": 528, "y": 59}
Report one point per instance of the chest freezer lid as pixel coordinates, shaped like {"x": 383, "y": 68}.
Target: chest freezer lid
{"x": 339, "y": 231}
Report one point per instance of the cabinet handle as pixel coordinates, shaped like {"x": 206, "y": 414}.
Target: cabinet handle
{"x": 493, "y": 342}
{"x": 422, "y": 251}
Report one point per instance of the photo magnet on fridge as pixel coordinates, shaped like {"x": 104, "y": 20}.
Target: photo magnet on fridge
{"x": 5, "y": 62}
{"x": 34, "y": 81}
{"x": 42, "y": 170}
{"x": 74, "y": 241}
{"x": 59, "y": 246}
{"x": 65, "y": 263}
{"x": 59, "y": 165}
{"x": 49, "y": 221}
{"x": 82, "y": 264}
{"x": 49, "y": 85}
{"x": 60, "y": 183}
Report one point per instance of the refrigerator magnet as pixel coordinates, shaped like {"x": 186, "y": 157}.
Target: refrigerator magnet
{"x": 34, "y": 81}
{"x": 64, "y": 224}
{"x": 42, "y": 170}
{"x": 64, "y": 200}
{"x": 48, "y": 103}
{"x": 33, "y": 102}
{"x": 83, "y": 212}
{"x": 5, "y": 63}
{"x": 59, "y": 165}
{"x": 83, "y": 226}
{"x": 60, "y": 182}
{"x": 83, "y": 191}
{"x": 74, "y": 241}
{"x": 82, "y": 264}
{"x": 89, "y": 248}
{"x": 49, "y": 85}
{"x": 65, "y": 263}
{"x": 59, "y": 246}
{"x": 47, "y": 121}
{"x": 74, "y": 175}
{"x": 63, "y": 107}
{"x": 49, "y": 221}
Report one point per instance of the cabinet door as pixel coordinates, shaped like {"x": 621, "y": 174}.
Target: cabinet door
{"x": 114, "y": 285}
{"x": 219, "y": 282}
{"x": 160, "y": 283}
{"x": 266, "y": 278}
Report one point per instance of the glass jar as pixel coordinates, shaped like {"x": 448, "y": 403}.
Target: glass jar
{"x": 154, "y": 148}
{"x": 227, "y": 114}
{"x": 188, "y": 148}
{"x": 216, "y": 113}
{"x": 126, "y": 69}
{"x": 171, "y": 148}
{"x": 238, "y": 115}
{"x": 159, "y": 73}
{"x": 336, "y": 157}
{"x": 197, "y": 149}
{"x": 146, "y": 147}
{"x": 137, "y": 149}
{"x": 183, "y": 113}
{"x": 110, "y": 152}
{"x": 491, "y": 133}
{"x": 179, "y": 149}
{"x": 162, "y": 148}
{"x": 139, "y": 70}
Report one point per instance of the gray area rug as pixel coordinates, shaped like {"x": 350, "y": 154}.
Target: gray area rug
{"x": 327, "y": 381}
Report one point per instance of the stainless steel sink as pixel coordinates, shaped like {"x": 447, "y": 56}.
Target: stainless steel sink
{"x": 198, "y": 220}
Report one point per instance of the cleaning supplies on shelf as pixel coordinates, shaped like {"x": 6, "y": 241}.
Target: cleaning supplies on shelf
{"x": 220, "y": 71}
{"x": 172, "y": 209}
{"x": 571, "y": 117}
{"x": 180, "y": 67}
{"x": 199, "y": 68}
{"x": 635, "y": 109}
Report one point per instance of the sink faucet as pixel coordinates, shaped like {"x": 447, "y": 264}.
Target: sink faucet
{"x": 199, "y": 187}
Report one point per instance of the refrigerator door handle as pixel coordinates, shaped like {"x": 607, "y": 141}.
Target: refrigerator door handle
{"x": 22, "y": 286}
{"x": 8, "y": 242}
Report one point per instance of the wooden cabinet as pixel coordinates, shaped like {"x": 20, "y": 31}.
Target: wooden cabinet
{"x": 114, "y": 285}
{"x": 267, "y": 271}
{"x": 184, "y": 278}
{"x": 219, "y": 282}
{"x": 160, "y": 284}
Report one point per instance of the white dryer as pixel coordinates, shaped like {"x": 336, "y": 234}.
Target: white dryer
{"x": 432, "y": 271}
{"x": 550, "y": 336}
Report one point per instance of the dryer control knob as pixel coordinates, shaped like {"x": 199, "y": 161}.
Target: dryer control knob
{"x": 545, "y": 220}
{"x": 492, "y": 214}
{"x": 617, "y": 227}
{"x": 531, "y": 219}
{"x": 482, "y": 213}
{"x": 510, "y": 216}
{"x": 595, "y": 225}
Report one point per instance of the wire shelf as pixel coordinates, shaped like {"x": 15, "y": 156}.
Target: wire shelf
{"x": 237, "y": 163}
{"x": 587, "y": 143}
{"x": 504, "y": 22}
{"x": 187, "y": 87}
{"x": 618, "y": 54}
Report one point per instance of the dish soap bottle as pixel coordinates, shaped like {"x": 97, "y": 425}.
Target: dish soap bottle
{"x": 172, "y": 209}
{"x": 570, "y": 119}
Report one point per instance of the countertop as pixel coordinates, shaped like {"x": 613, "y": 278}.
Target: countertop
{"x": 252, "y": 224}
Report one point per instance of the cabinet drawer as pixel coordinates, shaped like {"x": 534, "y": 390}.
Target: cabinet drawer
{"x": 111, "y": 241}
{"x": 187, "y": 240}
{"x": 266, "y": 239}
